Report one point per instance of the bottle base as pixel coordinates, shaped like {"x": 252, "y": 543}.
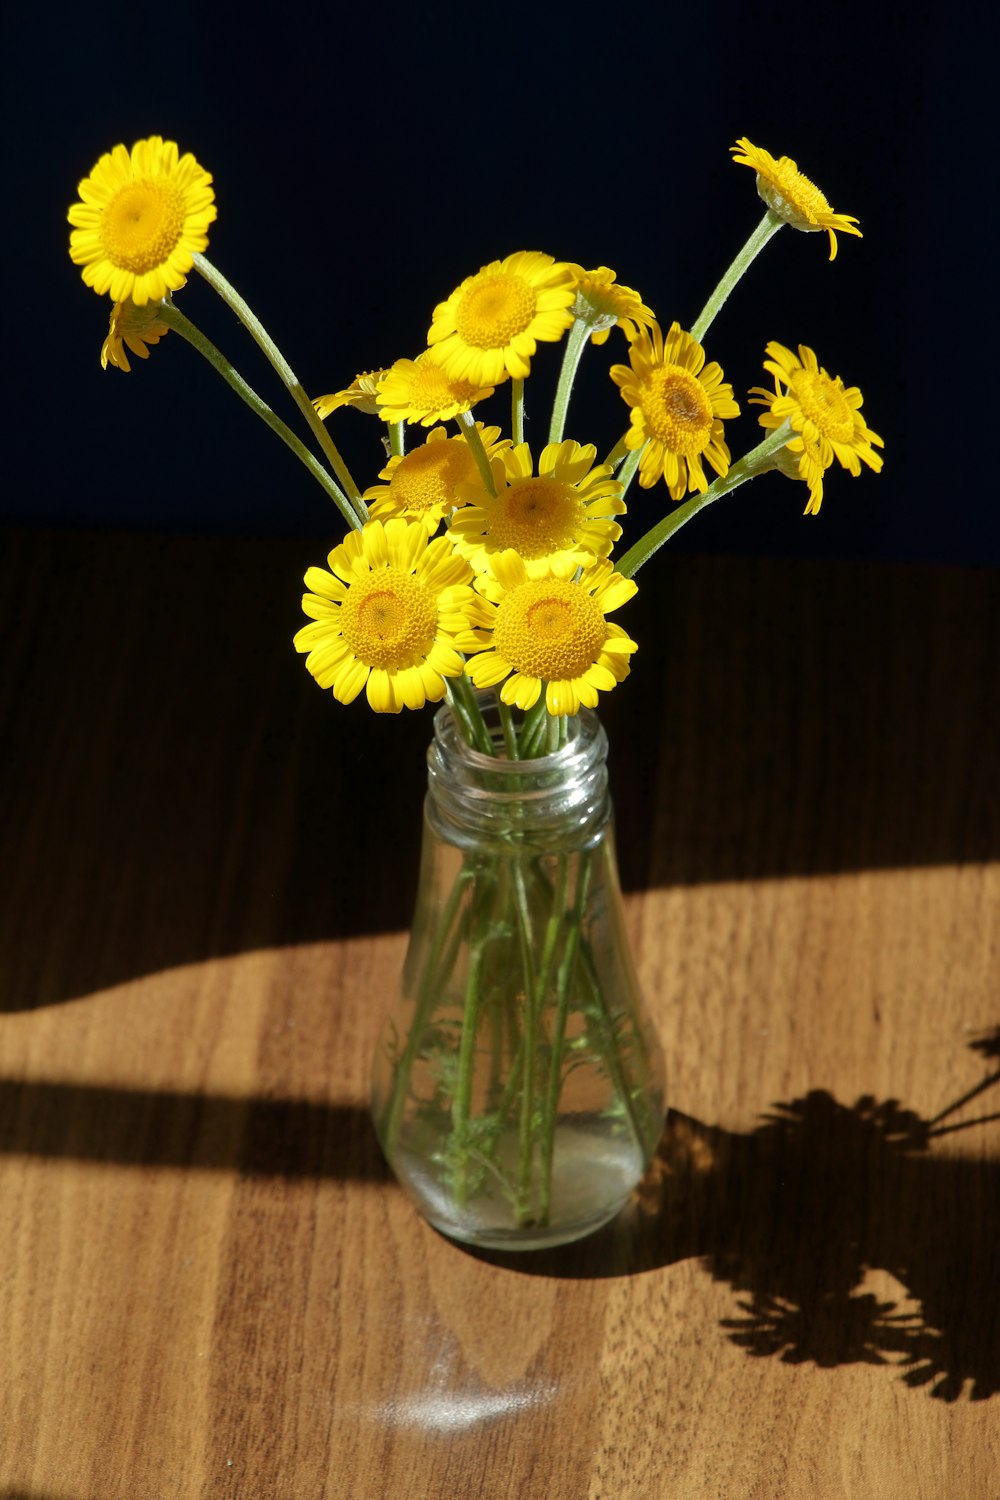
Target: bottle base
{"x": 527, "y": 1237}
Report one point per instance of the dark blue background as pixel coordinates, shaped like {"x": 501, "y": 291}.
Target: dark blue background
{"x": 367, "y": 158}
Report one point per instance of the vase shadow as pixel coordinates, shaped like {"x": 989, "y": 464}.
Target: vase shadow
{"x": 797, "y": 1214}
{"x": 184, "y": 791}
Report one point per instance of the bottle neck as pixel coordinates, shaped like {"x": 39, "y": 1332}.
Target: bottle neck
{"x": 553, "y": 802}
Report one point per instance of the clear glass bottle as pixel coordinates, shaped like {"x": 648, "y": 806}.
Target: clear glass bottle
{"x": 518, "y": 1085}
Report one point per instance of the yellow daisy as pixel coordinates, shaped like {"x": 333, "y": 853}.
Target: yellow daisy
{"x": 419, "y": 390}
{"x": 361, "y": 393}
{"x": 143, "y": 215}
{"x": 553, "y": 630}
{"x": 678, "y": 403}
{"x": 791, "y": 195}
{"x": 601, "y": 303}
{"x": 564, "y": 511}
{"x": 422, "y": 484}
{"x": 134, "y": 327}
{"x": 489, "y": 327}
{"x": 392, "y": 616}
{"x": 824, "y": 414}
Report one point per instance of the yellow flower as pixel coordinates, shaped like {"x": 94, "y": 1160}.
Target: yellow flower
{"x": 488, "y": 328}
{"x": 391, "y": 616}
{"x": 143, "y": 216}
{"x": 362, "y": 393}
{"x": 563, "y": 512}
{"x": 601, "y": 303}
{"x": 419, "y": 390}
{"x": 791, "y": 195}
{"x": 132, "y": 326}
{"x": 678, "y": 403}
{"x": 824, "y": 414}
{"x": 554, "y": 630}
{"x": 423, "y": 483}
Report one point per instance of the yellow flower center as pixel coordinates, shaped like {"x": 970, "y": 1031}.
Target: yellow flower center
{"x": 142, "y": 224}
{"x": 822, "y": 401}
{"x": 677, "y": 409}
{"x": 494, "y": 309}
{"x": 427, "y": 476}
{"x": 785, "y": 186}
{"x": 389, "y": 619}
{"x": 536, "y": 517}
{"x": 430, "y": 388}
{"x": 550, "y": 628}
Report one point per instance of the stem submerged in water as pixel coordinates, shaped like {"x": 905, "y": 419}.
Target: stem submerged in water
{"x": 519, "y": 1101}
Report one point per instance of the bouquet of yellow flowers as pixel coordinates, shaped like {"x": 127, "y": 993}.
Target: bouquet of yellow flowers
{"x": 518, "y": 1086}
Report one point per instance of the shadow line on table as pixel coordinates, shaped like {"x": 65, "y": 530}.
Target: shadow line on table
{"x": 20, "y": 1494}
{"x": 289, "y": 1138}
{"x": 779, "y": 722}
{"x": 795, "y": 1215}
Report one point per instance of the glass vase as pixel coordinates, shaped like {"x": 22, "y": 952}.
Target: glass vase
{"x": 518, "y": 1084}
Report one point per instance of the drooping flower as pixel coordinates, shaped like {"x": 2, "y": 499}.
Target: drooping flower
{"x": 143, "y": 214}
{"x": 391, "y": 616}
{"x": 132, "y": 327}
{"x": 678, "y": 403}
{"x": 361, "y": 393}
{"x": 789, "y": 193}
{"x": 490, "y": 325}
{"x": 565, "y": 511}
{"x": 601, "y": 303}
{"x": 824, "y": 414}
{"x": 553, "y": 630}
{"x": 420, "y": 390}
{"x": 423, "y": 484}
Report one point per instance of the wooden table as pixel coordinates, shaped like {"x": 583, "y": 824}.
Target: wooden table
{"x": 209, "y": 1286}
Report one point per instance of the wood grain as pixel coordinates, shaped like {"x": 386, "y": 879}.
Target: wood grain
{"x": 210, "y": 1287}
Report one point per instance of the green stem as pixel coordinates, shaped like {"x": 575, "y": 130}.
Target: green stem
{"x": 462, "y": 702}
{"x": 617, "y": 453}
{"x": 556, "y": 896}
{"x": 462, "y": 1101}
{"x": 627, "y": 472}
{"x": 513, "y": 1078}
{"x": 565, "y": 975}
{"x": 768, "y": 226}
{"x": 507, "y": 725}
{"x": 176, "y": 320}
{"x": 467, "y": 426}
{"x": 609, "y": 1045}
{"x": 434, "y": 976}
{"x": 397, "y": 442}
{"x": 517, "y": 411}
{"x": 533, "y": 728}
{"x": 279, "y": 363}
{"x": 575, "y": 340}
{"x": 757, "y": 461}
{"x": 466, "y": 726}
{"x": 526, "y": 1140}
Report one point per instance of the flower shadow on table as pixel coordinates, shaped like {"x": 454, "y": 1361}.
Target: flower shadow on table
{"x": 800, "y": 1213}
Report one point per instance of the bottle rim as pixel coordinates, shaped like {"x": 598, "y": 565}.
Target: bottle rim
{"x": 562, "y": 795}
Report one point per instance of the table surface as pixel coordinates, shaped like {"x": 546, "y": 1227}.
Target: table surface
{"x": 210, "y": 1286}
